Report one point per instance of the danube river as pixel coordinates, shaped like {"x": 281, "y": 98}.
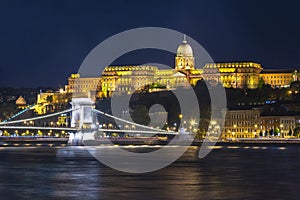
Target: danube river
{"x": 237, "y": 172}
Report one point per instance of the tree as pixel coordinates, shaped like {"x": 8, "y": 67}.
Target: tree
{"x": 297, "y": 131}
{"x": 271, "y": 132}
{"x": 261, "y": 83}
{"x": 49, "y": 98}
{"x": 295, "y": 86}
{"x": 290, "y": 132}
{"x": 277, "y": 130}
{"x": 140, "y": 115}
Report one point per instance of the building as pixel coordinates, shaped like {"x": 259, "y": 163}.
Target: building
{"x": 247, "y": 74}
{"x": 82, "y": 86}
{"x": 251, "y": 123}
{"x": 233, "y": 75}
{"x": 127, "y": 79}
{"x": 277, "y": 125}
{"x": 279, "y": 78}
{"x": 241, "y": 123}
{"x": 21, "y": 102}
{"x": 52, "y": 101}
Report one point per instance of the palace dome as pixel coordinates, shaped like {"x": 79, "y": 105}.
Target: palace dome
{"x": 184, "y": 50}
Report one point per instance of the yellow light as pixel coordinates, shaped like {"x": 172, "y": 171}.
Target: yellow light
{"x": 193, "y": 122}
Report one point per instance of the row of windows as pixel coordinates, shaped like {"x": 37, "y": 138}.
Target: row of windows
{"x": 234, "y": 65}
{"x": 78, "y": 81}
{"x": 269, "y": 121}
{"x": 240, "y": 130}
{"x": 284, "y": 122}
{"x": 240, "y": 123}
{"x": 85, "y": 86}
{"x": 186, "y": 64}
{"x": 129, "y": 68}
{"x": 238, "y": 136}
{"x": 283, "y": 128}
{"x": 242, "y": 116}
{"x": 271, "y": 77}
{"x": 288, "y": 121}
{"x": 279, "y": 82}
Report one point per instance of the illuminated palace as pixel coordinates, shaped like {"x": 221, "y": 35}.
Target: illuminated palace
{"x": 247, "y": 74}
{"x": 126, "y": 79}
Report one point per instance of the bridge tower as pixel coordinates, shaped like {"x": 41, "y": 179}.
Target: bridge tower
{"x": 82, "y": 118}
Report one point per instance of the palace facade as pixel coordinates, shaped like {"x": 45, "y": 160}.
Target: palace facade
{"x": 279, "y": 78}
{"x": 127, "y": 79}
{"x": 247, "y": 74}
{"x": 235, "y": 75}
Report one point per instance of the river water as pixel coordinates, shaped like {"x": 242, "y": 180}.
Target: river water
{"x": 239, "y": 172}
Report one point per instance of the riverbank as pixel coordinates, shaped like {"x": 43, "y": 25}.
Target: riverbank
{"x": 33, "y": 141}
{"x": 53, "y": 141}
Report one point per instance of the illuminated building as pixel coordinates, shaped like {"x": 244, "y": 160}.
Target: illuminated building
{"x": 126, "y": 79}
{"x": 241, "y": 123}
{"x": 21, "y": 102}
{"x": 48, "y": 102}
{"x": 247, "y": 75}
{"x": 82, "y": 86}
{"x": 185, "y": 63}
{"x": 274, "y": 125}
{"x": 235, "y": 75}
{"x": 250, "y": 123}
{"x": 279, "y": 78}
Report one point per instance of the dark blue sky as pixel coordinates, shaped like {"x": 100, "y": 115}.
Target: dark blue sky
{"x": 43, "y": 42}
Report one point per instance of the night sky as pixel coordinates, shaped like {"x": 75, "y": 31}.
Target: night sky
{"x": 43, "y": 42}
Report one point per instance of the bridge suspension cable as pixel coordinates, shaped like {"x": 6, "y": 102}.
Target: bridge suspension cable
{"x": 20, "y": 113}
{"x": 137, "y": 131}
{"x": 37, "y": 118}
{"x": 125, "y": 121}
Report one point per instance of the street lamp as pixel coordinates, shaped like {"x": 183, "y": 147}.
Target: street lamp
{"x": 180, "y": 116}
{"x": 281, "y": 130}
{"x": 193, "y": 122}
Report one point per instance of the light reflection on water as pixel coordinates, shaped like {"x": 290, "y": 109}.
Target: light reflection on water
{"x": 261, "y": 172}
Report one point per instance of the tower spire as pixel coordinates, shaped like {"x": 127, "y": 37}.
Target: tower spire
{"x": 184, "y": 38}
